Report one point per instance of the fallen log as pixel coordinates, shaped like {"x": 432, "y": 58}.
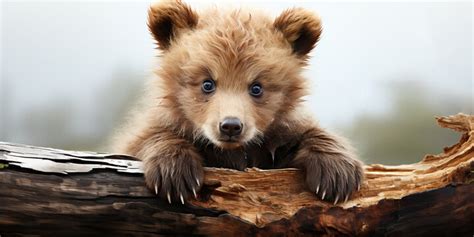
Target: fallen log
{"x": 51, "y": 192}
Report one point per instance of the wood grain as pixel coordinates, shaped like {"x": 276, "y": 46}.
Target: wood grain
{"x": 51, "y": 192}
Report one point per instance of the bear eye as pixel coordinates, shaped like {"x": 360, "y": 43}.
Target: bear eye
{"x": 256, "y": 89}
{"x": 208, "y": 86}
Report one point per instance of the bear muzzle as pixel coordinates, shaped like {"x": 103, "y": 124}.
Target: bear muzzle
{"x": 230, "y": 129}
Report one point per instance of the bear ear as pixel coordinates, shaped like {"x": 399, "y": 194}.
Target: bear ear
{"x": 301, "y": 28}
{"x": 167, "y": 19}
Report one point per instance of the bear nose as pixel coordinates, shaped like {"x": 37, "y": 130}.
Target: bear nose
{"x": 231, "y": 126}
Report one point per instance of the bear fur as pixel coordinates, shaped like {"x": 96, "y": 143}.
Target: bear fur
{"x": 177, "y": 131}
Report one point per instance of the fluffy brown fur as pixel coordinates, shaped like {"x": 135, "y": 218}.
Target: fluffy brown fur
{"x": 177, "y": 132}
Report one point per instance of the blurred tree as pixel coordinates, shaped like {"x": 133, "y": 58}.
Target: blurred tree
{"x": 408, "y": 131}
{"x": 61, "y": 123}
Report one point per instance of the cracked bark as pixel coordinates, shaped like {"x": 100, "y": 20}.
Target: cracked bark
{"x": 51, "y": 192}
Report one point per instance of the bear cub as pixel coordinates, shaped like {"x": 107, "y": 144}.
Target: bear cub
{"x": 228, "y": 93}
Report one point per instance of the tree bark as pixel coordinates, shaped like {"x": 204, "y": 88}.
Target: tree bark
{"x": 51, "y": 192}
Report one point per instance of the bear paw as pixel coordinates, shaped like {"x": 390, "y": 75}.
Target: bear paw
{"x": 174, "y": 178}
{"x": 333, "y": 177}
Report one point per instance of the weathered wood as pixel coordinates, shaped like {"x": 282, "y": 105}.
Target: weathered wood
{"x": 52, "y": 192}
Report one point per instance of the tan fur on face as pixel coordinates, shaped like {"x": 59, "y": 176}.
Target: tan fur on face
{"x": 176, "y": 132}
{"x": 235, "y": 49}
{"x": 229, "y": 104}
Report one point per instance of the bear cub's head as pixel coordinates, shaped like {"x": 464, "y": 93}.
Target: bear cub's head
{"x": 231, "y": 74}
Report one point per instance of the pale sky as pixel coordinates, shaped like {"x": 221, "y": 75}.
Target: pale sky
{"x": 62, "y": 55}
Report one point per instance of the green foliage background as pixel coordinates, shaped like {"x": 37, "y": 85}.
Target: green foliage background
{"x": 407, "y": 131}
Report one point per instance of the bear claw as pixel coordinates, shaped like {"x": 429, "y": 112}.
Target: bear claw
{"x": 182, "y": 199}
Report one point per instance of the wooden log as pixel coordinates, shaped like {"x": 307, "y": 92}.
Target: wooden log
{"x": 51, "y": 192}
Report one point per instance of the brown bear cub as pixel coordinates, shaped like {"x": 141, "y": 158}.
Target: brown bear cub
{"x": 228, "y": 93}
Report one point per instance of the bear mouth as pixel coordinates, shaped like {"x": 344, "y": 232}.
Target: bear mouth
{"x": 229, "y": 139}
{"x": 230, "y": 142}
